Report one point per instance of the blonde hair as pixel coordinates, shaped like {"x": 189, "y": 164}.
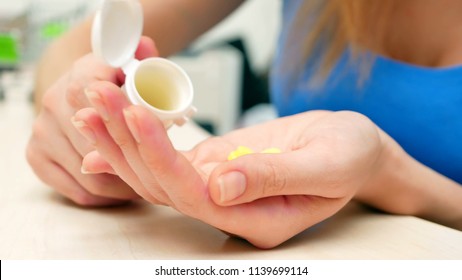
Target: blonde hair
{"x": 329, "y": 27}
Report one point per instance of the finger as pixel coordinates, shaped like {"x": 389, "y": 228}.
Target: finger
{"x": 90, "y": 124}
{"x": 58, "y": 110}
{"x": 84, "y": 72}
{"x": 179, "y": 179}
{"x": 255, "y": 176}
{"x": 98, "y": 184}
{"x": 146, "y": 48}
{"x": 110, "y": 100}
{"x": 58, "y": 148}
{"x": 54, "y": 175}
{"x": 67, "y": 96}
{"x": 93, "y": 163}
{"x": 80, "y": 78}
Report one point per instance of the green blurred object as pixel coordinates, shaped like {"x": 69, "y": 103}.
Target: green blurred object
{"x": 9, "y": 50}
{"x": 53, "y": 30}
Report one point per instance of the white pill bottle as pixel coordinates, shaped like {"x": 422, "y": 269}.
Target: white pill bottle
{"x": 156, "y": 83}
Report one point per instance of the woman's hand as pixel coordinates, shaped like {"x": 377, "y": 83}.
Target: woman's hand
{"x": 55, "y": 150}
{"x": 265, "y": 198}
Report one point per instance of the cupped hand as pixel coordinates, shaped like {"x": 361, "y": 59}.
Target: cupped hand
{"x": 55, "y": 149}
{"x": 264, "y": 198}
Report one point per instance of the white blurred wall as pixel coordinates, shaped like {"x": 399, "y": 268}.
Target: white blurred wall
{"x": 258, "y": 23}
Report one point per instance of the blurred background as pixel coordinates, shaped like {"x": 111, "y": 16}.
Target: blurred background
{"x": 228, "y": 65}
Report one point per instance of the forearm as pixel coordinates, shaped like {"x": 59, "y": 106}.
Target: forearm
{"x": 175, "y": 24}
{"x": 172, "y": 24}
{"x": 402, "y": 185}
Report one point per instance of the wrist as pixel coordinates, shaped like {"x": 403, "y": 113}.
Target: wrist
{"x": 389, "y": 187}
{"x": 402, "y": 185}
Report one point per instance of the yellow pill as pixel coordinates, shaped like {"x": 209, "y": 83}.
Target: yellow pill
{"x": 240, "y": 151}
{"x": 271, "y": 151}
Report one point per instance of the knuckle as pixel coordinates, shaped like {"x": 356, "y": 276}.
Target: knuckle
{"x": 48, "y": 100}
{"x": 151, "y": 161}
{"x": 38, "y": 131}
{"x": 32, "y": 155}
{"x": 275, "y": 180}
{"x": 124, "y": 143}
{"x": 163, "y": 165}
{"x": 74, "y": 95}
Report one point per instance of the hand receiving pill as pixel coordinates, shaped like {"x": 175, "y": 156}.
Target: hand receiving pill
{"x": 242, "y": 150}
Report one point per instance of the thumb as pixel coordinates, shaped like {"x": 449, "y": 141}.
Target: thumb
{"x": 256, "y": 176}
{"x": 146, "y": 48}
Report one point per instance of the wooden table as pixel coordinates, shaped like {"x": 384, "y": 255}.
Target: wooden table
{"x": 36, "y": 223}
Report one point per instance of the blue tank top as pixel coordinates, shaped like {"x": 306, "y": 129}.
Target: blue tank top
{"x": 420, "y": 107}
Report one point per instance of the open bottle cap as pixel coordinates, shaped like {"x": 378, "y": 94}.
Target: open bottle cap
{"x": 116, "y": 32}
{"x": 155, "y": 83}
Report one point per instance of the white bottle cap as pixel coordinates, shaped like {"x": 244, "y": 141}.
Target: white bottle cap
{"x": 117, "y": 30}
{"x": 156, "y": 83}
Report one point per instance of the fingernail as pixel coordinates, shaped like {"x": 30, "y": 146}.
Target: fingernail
{"x": 85, "y": 130}
{"x": 84, "y": 171}
{"x": 95, "y": 99}
{"x": 232, "y": 185}
{"x": 130, "y": 120}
